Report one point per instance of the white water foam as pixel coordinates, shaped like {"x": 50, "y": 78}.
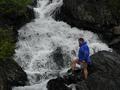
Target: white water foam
{"x": 40, "y": 38}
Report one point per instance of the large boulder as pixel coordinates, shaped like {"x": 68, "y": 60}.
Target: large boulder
{"x": 57, "y": 84}
{"x": 11, "y": 74}
{"x": 103, "y": 74}
{"x": 106, "y": 74}
{"x": 58, "y": 57}
{"x": 115, "y": 42}
{"x": 92, "y": 14}
{"x": 100, "y": 16}
{"x": 3, "y": 82}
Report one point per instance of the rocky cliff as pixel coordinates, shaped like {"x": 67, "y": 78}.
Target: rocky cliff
{"x": 11, "y": 74}
{"x": 104, "y": 74}
{"x": 100, "y": 16}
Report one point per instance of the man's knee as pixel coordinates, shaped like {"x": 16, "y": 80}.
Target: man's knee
{"x": 75, "y": 61}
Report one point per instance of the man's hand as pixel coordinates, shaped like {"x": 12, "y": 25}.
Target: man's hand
{"x": 73, "y": 52}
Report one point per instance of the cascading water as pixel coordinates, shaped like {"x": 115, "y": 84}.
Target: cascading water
{"x": 40, "y": 38}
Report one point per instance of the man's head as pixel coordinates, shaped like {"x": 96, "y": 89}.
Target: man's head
{"x": 80, "y": 40}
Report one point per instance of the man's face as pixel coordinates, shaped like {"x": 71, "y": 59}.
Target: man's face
{"x": 80, "y": 42}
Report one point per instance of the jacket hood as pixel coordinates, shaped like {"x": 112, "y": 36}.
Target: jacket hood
{"x": 84, "y": 43}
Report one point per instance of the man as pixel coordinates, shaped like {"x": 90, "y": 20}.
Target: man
{"x": 83, "y": 57}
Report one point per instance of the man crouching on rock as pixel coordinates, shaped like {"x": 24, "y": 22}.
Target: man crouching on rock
{"x": 83, "y": 57}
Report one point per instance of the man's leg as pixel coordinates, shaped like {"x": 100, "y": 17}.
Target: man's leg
{"x": 85, "y": 71}
{"x": 73, "y": 64}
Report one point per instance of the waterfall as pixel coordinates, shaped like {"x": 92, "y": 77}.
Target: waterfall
{"x": 39, "y": 40}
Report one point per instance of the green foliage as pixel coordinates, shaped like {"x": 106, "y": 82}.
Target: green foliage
{"x": 11, "y": 11}
{"x": 114, "y": 6}
{"x": 7, "y": 44}
{"x": 13, "y": 6}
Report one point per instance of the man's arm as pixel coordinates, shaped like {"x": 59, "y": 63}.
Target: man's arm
{"x": 86, "y": 55}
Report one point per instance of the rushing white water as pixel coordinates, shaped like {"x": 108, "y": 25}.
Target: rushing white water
{"x": 40, "y": 38}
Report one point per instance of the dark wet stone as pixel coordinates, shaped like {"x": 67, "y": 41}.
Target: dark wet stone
{"x": 104, "y": 74}
{"x": 11, "y": 74}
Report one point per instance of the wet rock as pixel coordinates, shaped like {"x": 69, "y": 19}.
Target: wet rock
{"x": 57, "y": 84}
{"x": 11, "y": 74}
{"x": 104, "y": 74}
{"x": 96, "y": 15}
{"x": 99, "y": 16}
{"x": 116, "y": 30}
{"x": 58, "y": 57}
{"x": 81, "y": 86}
{"x": 34, "y": 3}
{"x": 3, "y": 82}
{"x": 106, "y": 71}
{"x": 115, "y": 43}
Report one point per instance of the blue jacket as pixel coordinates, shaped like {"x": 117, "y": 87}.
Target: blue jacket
{"x": 84, "y": 53}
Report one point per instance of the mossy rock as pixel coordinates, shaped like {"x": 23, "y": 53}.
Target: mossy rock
{"x": 15, "y": 13}
{"x": 7, "y": 43}
{"x": 11, "y": 74}
{"x": 13, "y": 6}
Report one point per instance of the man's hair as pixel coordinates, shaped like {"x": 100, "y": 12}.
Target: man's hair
{"x": 81, "y": 39}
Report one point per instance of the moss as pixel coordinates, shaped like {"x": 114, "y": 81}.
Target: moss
{"x": 7, "y": 43}
{"x": 13, "y": 6}
{"x": 13, "y": 13}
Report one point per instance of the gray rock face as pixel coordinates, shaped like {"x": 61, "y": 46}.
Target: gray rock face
{"x": 11, "y": 74}
{"x": 58, "y": 57}
{"x": 57, "y": 84}
{"x": 99, "y": 16}
{"x": 3, "y": 82}
{"x": 116, "y": 30}
{"x": 98, "y": 13}
{"x": 104, "y": 74}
